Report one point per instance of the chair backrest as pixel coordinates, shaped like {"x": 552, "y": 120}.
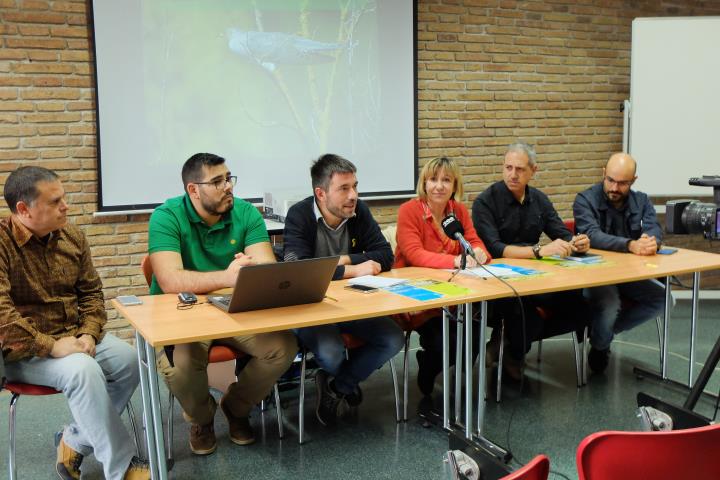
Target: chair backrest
{"x": 570, "y": 224}
{"x": 691, "y": 453}
{"x": 147, "y": 270}
{"x": 390, "y": 232}
{"x": 536, "y": 469}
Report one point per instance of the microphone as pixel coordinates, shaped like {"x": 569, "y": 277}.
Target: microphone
{"x": 454, "y": 229}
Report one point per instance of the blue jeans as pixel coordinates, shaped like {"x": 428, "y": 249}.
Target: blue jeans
{"x": 616, "y": 308}
{"x": 383, "y": 339}
{"x": 97, "y": 390}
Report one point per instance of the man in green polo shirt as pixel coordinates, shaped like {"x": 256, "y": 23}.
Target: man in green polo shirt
{"x": 198, "y": 243}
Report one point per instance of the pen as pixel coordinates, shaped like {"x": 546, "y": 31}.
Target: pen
{"x": 331, "y": 298}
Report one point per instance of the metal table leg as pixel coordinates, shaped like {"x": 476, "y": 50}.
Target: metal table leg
{"x": 151, "y": 408}
{"x": 693, "y": 326}
{"x": 446, "y": 367}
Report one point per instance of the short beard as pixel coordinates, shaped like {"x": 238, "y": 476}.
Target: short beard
{"x": 213, "y": 209}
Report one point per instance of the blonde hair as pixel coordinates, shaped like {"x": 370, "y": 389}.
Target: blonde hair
{"x": 432, "y": 168}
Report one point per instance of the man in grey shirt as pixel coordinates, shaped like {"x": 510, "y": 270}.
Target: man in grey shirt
{"x": 334, "y": 221}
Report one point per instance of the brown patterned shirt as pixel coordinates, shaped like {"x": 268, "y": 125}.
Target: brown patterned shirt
{"x": 49, "y": 289}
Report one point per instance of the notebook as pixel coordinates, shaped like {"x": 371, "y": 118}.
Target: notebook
{"x": 282, "y": 284}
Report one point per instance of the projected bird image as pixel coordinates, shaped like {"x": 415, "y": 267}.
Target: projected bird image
{"x": 271, "y": 49}
{"x": 269, "y": 81}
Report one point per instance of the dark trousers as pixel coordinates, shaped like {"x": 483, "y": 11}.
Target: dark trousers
{"x": 567, "y": 311}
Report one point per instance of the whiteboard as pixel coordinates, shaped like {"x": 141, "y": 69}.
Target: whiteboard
{"x": 269, "y": 85}
{"x": 675, "y": 103}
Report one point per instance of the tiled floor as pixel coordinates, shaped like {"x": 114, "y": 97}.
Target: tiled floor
{"x": 549, "y": 416}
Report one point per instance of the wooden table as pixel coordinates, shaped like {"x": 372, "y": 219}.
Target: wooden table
{"x": 158, "y": 322}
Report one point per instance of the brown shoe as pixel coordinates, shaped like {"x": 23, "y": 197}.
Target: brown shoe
{"x": 68, "y": 462}
{"x": 202, "y": 439}
{"x": 138, "y": 470}
{"x": 241, "y": 432}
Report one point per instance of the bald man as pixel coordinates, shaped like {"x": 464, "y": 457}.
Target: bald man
{"x": 617, "y": 218}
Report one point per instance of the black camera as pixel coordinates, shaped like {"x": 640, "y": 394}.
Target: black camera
{"x": 692, "y": 216}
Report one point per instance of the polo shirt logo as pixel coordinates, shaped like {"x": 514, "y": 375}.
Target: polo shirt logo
{"x": 233, "y": 241}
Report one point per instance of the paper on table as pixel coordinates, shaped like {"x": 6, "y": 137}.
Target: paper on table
{"x": 376, "y": 282}
{"x": 497, "y": 271}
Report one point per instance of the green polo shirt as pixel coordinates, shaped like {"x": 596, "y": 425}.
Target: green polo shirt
{"x": 175, "y": 226}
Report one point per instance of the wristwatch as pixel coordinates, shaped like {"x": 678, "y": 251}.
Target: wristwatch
{"x": 536, "y": 251}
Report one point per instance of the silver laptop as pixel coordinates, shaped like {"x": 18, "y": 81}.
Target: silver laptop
{"x": 282, "y": 284}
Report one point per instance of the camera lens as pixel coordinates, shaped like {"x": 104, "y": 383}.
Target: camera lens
{"x": 699, "y": 217}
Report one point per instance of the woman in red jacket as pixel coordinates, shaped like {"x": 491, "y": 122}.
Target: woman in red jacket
{"x": 421, "y": 242}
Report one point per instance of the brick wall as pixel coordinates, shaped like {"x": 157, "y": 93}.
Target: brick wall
{"x": 553, "y": 73}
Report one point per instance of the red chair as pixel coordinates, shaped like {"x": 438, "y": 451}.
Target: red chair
{"x": 678, "y": 454}
{"x": 17, "y": 389}
{"x": 216, "y": 354}
{"x": 536, "y": 469}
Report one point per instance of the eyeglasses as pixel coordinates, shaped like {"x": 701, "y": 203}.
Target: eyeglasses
{"x": 619, "y": 183}
{"x": 220, "y": 182}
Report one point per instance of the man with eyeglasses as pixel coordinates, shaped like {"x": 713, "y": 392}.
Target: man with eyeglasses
{"x": 617, "y": 218}
{"x": 198, "y": 242}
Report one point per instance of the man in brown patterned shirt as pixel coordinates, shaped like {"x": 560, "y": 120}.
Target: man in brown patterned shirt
{"x": 51, "y": 318}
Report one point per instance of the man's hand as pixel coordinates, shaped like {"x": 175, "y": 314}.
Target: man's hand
{"x": 66, "y": 346}
{"x": 88, "y": 343}
{"x": 231, "y": 272}
{"x": 645, "y": 245}
{"x": 580, "y": 243}
{"x": 369, "y": 267}
{"x": 556, "y": 247}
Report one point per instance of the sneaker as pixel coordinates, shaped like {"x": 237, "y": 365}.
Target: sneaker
{"x": 355, "y": 399}
{"x": 138, "y": 470}
{"x": 330, "y": 405}
{"x": 425, "y": 377}
{"x": 202, "y": 439}
{"x": 68, "y": 461}
{"x": 241, "y": 433}
{"x": 598, "y": 359}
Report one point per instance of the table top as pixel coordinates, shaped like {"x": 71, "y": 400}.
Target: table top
{"x": 161, "y": 323}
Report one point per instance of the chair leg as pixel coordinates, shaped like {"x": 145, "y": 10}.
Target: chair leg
{"x": 11, "y": 421}
{"x": 501, "y": 354}
{"x": 393, "y": 372}
{"x": 169, "y": 444}
{"x": 278, "y": 410}
{"x": 406, "y": 374}
{"x": 578, "y": 360}
{"x": 661, "y": 340}
{"x": 301, "y": 408}
{"x": 133, "y": 425}
{"x": 539, "y": 355}
{"x": 585, "y": 351}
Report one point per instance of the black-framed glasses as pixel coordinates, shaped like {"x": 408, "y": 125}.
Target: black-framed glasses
{"x": 220, "y": 183}
{"x": 619, "y": 183}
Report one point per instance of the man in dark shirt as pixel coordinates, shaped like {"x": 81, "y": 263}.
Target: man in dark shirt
{"x": 510, "y": 216}
{"x": 334, "y": 221}
{"x": 619, "y": 219}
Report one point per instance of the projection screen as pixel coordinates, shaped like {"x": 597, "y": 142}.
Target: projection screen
{"x": 268, "y": 85}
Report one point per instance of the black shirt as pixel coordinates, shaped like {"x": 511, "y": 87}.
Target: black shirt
{"x": 501, "y": 220}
